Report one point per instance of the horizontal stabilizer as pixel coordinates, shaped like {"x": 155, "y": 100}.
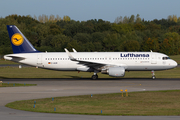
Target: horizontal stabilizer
{"x": 13, "y": 58}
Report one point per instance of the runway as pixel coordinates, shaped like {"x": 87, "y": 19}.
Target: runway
{"x": 69, "y": 87}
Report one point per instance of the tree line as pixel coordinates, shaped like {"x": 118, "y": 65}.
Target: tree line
{"x": 53, "y": 34}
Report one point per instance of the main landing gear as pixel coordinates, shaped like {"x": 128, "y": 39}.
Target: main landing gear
{"x": 95, "y": 76}
{"x": 153, "y": 75}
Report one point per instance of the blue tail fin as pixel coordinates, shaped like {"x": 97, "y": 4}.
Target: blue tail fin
{"x": 19, "y": 42}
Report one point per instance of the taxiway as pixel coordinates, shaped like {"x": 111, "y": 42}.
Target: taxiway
{"x": 69, "y": 87}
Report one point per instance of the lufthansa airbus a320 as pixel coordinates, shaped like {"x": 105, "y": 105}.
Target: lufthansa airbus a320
{"x": 112, "y": 63}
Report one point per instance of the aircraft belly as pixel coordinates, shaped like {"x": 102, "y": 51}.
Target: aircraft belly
{"x": 144, "y": 68}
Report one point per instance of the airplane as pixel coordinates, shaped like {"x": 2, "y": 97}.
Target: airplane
{"x": 112, "y": 63}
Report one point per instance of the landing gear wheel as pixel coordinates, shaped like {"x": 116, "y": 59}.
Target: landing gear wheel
{"x": 153, "y": 75}
{"x": 94, "y": 77}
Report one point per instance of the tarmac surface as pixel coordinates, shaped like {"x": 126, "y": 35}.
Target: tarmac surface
{"x": 47, "y": 88}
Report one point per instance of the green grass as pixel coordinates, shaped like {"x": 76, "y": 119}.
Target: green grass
{"x": 176, "y": 58}
{"x": 137, "y": 103}
{"x": 6, "y": 62}
{"x": 15, "y": 84}
{"x": 32, "y": 72}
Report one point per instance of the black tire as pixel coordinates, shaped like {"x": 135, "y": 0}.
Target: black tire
{"x": 153, "y": 77}
{"x": 94, "y": 77}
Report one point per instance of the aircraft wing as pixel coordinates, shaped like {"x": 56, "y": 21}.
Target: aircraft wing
{"x": 86, "y": 63}
{"x": 91, "y": 64}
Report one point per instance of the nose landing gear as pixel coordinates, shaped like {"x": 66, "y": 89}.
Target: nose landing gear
{"x": 153, "y": 75}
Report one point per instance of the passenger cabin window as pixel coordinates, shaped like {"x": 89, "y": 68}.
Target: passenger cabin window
{"x": 166, "y": 58}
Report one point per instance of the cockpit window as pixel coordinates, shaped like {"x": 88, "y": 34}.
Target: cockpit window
{"x": 166, "y": 58}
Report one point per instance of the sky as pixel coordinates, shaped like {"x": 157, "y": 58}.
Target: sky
{"x": 83, "y": 10}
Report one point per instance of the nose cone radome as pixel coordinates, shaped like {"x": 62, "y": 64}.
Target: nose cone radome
{"x": 174, "y": 64}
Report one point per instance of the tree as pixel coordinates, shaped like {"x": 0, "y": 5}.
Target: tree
{"x": 139, "y": 26}
{"x": 151, "y": 44}
{"x": 102, "y": 26}
{"x": 66, "y": 18}
{"x": 171, "y": 43}
{"x": 74, "y": 44}
{"x": 173, "y": 18}
{"x": 111, "y": 42}
{"x": 118, "y": 20}
{"x": 82, "y": 37}
{"x": 97, "y": 37}
{"x": 71, "y": 29}
{"x": 132, "y": 19}
{"x": 59, "y": 42}
{"x": 130, "y": 45}
{"x": 122, "y": 28}
{"x": 55, "y": 29}
{"x": 126, "y": 19}
{"x": 4, "y": 39}
{"x": 138, "y": 19}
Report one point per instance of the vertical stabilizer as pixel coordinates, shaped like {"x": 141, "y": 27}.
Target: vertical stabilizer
{"x": 19, "y": 42}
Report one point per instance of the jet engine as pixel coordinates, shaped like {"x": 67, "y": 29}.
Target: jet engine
{"x": 114, "y": 71}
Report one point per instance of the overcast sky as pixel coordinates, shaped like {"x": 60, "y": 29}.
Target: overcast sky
{"x": 84, "y": 10}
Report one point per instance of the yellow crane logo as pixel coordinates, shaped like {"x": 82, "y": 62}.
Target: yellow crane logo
{"x": 17, "y": 39}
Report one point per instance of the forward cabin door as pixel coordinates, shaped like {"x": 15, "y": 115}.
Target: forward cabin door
{"x": 153, "y": 59}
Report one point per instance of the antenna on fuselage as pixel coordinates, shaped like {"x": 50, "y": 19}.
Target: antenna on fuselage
{"x": 151, "y": 50}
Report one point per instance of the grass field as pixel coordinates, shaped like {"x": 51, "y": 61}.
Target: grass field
{"x": 15, "y": 85}
{"x": 137, "y": 103}
{"x": 176, "y": 58}
{"x": 6, "y": 62}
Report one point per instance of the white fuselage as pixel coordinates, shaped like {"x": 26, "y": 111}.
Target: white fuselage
{"x": 131, "y": 61}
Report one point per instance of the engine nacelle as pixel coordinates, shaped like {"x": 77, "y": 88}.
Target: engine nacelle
{"x": 115, "y": 71}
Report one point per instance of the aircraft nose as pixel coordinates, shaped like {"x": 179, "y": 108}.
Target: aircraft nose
{"x": 175, "y": 63}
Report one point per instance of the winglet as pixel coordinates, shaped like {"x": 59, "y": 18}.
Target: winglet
{"x": 70, "y": 56}
{"x": 74, "y": 50}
